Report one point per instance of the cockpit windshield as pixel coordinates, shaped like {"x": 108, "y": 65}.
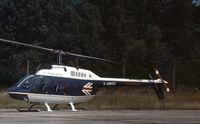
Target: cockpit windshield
{"x": 27, "y": 81}
{"x": 43, "y": 84}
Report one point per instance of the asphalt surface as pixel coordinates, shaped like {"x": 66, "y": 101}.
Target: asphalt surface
{"x": 8, "y": 116}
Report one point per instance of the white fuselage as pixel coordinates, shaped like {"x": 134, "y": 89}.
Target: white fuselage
{"x": 75, "y": 74}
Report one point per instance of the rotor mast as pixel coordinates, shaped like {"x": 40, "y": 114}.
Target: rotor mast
{"x": 59, "y": 59}
{"x": 59, "y": 53}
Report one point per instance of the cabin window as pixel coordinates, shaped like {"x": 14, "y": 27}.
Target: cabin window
{"x": 36, "y": 83}
{"x": 53, "y": 85}
{"x": 72, "y": 73}
{"x": 61, "y": 87}
{"x": 78, "y": 74}
{"x": 45, "y": 84}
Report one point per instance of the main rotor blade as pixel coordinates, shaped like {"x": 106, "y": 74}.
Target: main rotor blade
{"x": 90, "y": 57}
{"x": 28, "y": 45}
{"x": 60, "y": 52}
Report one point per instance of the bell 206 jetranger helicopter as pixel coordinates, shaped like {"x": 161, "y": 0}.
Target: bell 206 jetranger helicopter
{"x": 69, "y": 85}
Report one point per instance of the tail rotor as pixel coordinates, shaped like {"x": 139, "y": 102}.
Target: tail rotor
{"x": 160, "y": 88}
{"x": 163, "y": 81}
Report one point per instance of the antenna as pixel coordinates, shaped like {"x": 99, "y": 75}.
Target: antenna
{"x": 124, "y": 68}
{"x": 77, "y": 64}
{"x": 27, "y": 67}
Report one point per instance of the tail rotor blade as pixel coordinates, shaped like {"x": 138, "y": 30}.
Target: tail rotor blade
{"x": 163, "y": 81}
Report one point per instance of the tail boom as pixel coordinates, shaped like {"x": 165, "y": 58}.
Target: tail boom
{"x": 159, "y": 85}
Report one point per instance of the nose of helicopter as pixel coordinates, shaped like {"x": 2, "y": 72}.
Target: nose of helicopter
{"x": 13, "y": 93}
{"x": 10, "y": 89}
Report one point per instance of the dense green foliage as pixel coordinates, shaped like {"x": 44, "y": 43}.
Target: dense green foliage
{"x": 147, "y": 33}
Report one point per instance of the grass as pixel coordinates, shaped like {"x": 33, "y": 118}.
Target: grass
{"x": 126, "y": 98}
{"x": 6, "y": 102}
{"x": 143, "y": 98}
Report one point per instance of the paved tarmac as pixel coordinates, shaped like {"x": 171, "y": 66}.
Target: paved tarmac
{"x": 8, "y": 116}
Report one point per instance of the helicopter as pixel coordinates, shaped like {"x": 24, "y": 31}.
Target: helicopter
{"x": 63, "y": 84}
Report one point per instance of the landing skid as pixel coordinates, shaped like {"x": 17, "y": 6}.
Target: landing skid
{"x": 26, "y": 110}
{"x": 35, "y": 110}
{"x": 30, "y": 108}
{"x": 47, "y": 107}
